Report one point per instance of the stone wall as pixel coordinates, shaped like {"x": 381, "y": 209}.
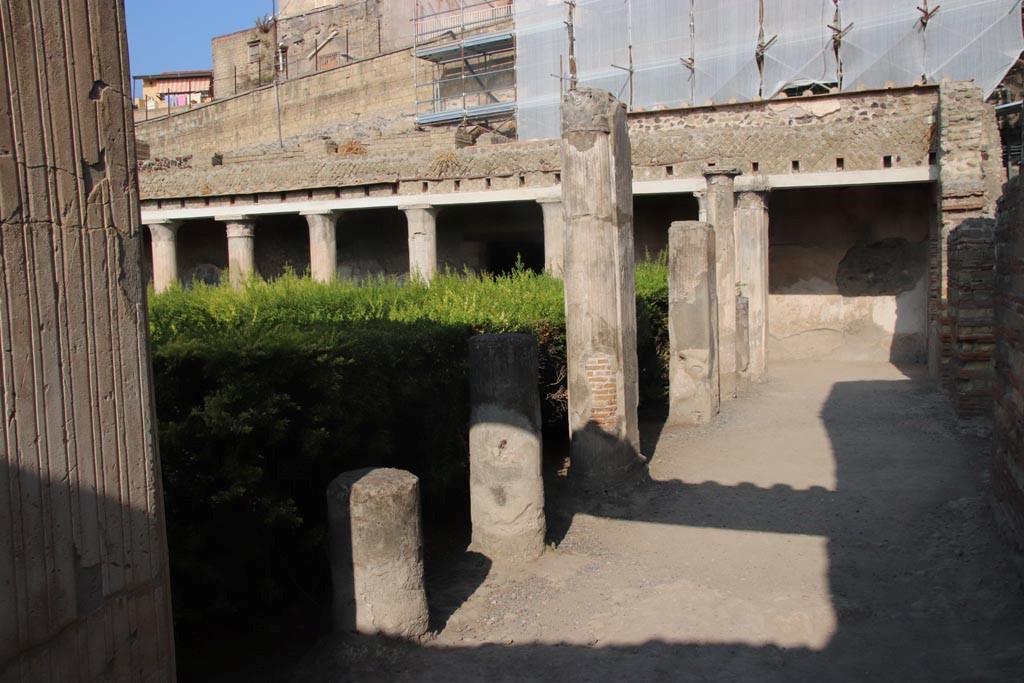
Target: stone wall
{"x": 971, "y": 175}
{"x": 236, "y": 67}
{"x": 861, "y": 129}
{"x": 379, "y": 87}
{"x": 1008, "y": 367}
{"x": 337, "y": 33}
{"x": 858, "y": 131}
{"x": 971, "y": 255}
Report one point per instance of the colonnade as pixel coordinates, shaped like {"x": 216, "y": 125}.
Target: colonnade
{"x": 739, "y": 218}
{"x": 323, "y": 243}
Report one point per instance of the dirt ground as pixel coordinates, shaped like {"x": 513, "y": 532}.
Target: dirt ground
{"x": 831, "y": 525}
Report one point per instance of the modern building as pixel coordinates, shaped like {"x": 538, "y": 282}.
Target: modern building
{"x": 173, "y": 89}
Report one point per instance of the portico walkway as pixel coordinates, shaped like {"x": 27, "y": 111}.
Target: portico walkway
{"x": 832, "y": 525}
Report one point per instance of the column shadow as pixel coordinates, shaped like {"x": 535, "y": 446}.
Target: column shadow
{"x": 916, "y": 579}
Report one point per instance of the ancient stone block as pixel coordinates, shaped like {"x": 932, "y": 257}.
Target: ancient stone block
{"x": 693, "y": 324}
{"x": 376, "y": 549}
{"x": 600, "y": 297}
{"x": 505, "y": 485}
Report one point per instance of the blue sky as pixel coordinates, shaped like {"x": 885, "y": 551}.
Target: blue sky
{"x": 175, "y": 35}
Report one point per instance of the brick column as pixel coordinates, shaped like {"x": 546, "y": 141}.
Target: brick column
{"x": 752, "y": 274}
{"x": 241, "y": 252}
{"x": 720, "y": 209}
{"x": 164, "y": 248}
{"x": 600, "y": 290}
{"x": 972, "y": 256}
{"x": 422, "y": 220}
{"x": 971, "y": 176}
{"x": 323, "y": 245}
{"x": 554, "y": 235}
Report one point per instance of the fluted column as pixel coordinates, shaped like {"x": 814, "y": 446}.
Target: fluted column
{"x": 323, "y": 245}
{"x": 752, "y": 273}
{"x": 241, "y": 248}
{"x": 720, "y": 214}
{"x": 554, "y": 235}
{"x": 422, "y": 220}
{"x": 164, "y": 247}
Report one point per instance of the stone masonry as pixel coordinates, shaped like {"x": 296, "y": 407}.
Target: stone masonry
{"x": 971, "y": 273}
{"x": 1008, "y": 367}
{"x": 694, "y": 394}
{"x": 860, "y": 129}
{"x": 600, "y": 299}
{"x": 84, "y": 592}
{"x": 970, "y": 177}
{"x": 506, "y": 489}
{"x": 376, "y": 547}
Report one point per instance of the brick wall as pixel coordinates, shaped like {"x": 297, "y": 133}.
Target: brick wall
{"x": 1008, "y": 367}
{"x": 971, "y": 252}
{"x": 373, "y": 87}
{"x": 970, "y": 178}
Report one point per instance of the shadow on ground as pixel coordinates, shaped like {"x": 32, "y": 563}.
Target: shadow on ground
{"x": 916, "y": 577}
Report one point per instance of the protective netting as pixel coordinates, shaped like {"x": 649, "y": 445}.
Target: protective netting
{"x": 695, "y": 51}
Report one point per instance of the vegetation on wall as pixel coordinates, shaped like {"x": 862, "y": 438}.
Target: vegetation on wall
{"x": 265, "y": 394}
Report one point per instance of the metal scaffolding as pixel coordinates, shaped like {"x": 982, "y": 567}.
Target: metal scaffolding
{"x": 691, "y": 52}
{"x": 471, "y": 47}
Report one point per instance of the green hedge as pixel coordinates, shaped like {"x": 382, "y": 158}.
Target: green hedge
{"x": 264, "y": 395}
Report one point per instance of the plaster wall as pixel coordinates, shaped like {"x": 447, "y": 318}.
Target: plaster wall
{"x": 848, "y": 273}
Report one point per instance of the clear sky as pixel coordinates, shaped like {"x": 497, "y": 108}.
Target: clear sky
{"x": 173, "y": 35}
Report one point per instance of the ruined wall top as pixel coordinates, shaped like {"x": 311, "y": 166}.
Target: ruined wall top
{"x": 860, "y": 131}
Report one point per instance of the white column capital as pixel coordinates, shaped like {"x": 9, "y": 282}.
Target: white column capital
{"x": 163, "y": 231}
{"x": 334, "y": 213}
{"x": 241, "y": 229}
{"x": 430, "y": 208}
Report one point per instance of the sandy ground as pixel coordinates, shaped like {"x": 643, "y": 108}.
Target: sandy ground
{"x": 831, "y": 525}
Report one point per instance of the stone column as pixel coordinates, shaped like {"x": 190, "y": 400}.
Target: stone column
{"x": 702, "y": 206}
{"x": 84, "y": 593}
{"x": 506, "y": 491}
{"x": 742, "y": 337}
{"x": 600, "y": 299}
{"x": 241, "y": 250}
{"x": 554, "y": 235}
{"x": 692, "y": 323}
{"x": 752, "y": 273}
{"x": 422, "y": 241}
{"x": 323, "y": 245}
{"x": 376, "y": 550}
{"x": 720, "y": 209}
{"x": 164, "y": 247}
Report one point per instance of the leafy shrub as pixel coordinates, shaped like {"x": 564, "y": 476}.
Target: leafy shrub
{"x": 265, "y": 394}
